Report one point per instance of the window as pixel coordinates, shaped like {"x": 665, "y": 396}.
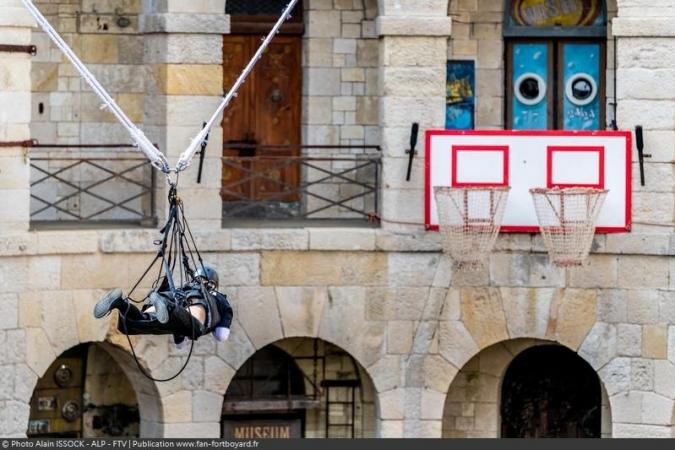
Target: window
{"x": 255, "y": 7}
{"x": 555, "y": 64}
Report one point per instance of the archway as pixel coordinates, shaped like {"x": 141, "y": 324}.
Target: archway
{"x": 300, "y": 387}
{"x": 550, "y": 392}
{"x": 84, "y": 394}
{"x": 481, "y": 391}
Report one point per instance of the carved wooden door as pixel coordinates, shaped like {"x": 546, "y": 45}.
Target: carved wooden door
{"x": 265, "y": 113}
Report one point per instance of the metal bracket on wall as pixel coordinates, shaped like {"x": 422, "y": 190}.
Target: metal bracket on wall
{"x": 25, "y": 144}
{"x": 412, "y": 152}
{"x": 640, "y": 144}
{"x": 8, "y": 48}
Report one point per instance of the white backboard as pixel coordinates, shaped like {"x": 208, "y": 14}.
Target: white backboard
{"x": 530, "y": 159}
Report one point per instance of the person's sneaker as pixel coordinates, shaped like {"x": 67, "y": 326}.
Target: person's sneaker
{"x": 161, "y": 311}
{"x": 110, "y": 301}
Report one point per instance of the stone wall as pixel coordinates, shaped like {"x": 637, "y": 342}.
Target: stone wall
{"x": 340, "y": 60}
{"x": 65, "y": 110}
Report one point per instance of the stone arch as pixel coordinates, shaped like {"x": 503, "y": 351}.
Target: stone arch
{"x": 307, "y": 349}
{"x": 472, "y": 405}
{"x": 63, "y": 320}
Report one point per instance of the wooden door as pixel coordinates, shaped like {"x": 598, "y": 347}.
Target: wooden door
{"x": 265, "y": 113}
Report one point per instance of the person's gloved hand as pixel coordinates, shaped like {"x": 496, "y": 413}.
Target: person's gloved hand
{"x": 180, "y": 345}
{"x": 221, "y": 334}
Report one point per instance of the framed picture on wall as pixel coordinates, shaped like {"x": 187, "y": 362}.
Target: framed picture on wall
{"x": 460, "y": 95}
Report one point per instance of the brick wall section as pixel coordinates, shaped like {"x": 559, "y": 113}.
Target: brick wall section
{"x": 340, "y": 60}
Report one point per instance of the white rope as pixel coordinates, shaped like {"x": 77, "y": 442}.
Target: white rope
{"x": 190, "y": 152}
{"x": 140, "y": 139}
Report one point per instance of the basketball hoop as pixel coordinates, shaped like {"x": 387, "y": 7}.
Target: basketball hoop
{"x": 567, "y": 220}
{"x": 469, "y": 221}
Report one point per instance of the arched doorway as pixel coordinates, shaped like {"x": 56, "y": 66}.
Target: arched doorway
{"x": 299, "y": 388}
{"x": 550, "y": 392}
{"x": 84, "y": 394}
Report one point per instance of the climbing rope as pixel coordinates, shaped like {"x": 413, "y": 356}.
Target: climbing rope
{"x": 177, "y": 251}
{"x": 157, "y": 159}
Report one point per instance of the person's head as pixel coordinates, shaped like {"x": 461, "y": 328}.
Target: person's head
{"x": 209, "y": 275}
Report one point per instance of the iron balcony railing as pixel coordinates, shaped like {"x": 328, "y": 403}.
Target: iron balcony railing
{"x": 91, "y": 184}
{"x": 337, "y": 185}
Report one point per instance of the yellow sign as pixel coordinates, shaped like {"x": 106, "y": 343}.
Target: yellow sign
{"x": 545, "y": 13}
{"x": 262, "y": 432}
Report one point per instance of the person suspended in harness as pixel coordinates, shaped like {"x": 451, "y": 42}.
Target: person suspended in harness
{"x": 192, "y": 311}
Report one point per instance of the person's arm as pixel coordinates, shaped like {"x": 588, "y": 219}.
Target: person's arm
{"x": 222, "y": 331}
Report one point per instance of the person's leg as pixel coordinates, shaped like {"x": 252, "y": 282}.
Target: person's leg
{"x": 115, "y": 300}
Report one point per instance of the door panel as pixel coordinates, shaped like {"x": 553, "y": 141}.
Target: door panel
{"x": 266, "y": 112}
{"x": 580, "y": 85}
{"x": 530, "y": 87}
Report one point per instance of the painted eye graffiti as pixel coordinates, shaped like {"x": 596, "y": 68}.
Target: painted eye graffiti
{"x": 581, "y": 89}
{"x": 530, "y": 89}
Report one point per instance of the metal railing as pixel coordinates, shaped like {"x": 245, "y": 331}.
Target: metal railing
{"x": 332, "y": 184}
{"x": 91, "y": 184}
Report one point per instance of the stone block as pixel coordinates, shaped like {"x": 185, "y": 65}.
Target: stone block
{"x": 237, "y": 269}
{"x": 251, "y": 239}
{"x": 629, "y": 340}
{"x": 627, "y": 407}
{"x": 177, "y": 408}
{"x": 301, "y": 309}
{"x": 341, "y": 239}
{"x": 637, "y": 431}
{"x": 100, "y": 49}
{"x": 597, "y": 271}
{"x": 344, "y": 324}
{"x": 190, "y": 23}
{"x": 573, "y": 313}
{"x": 321, "y": 81}
{"x": 654, "y": 341}
{"x": 189, "y": 79}
{"x": 656, "y": 409}
{"x": 483, "y": 315}
{"x": 646, "y": 272}
{"x": 527, "y": 311}
{"x": 93, "y": 271}
{"x": 399, "y": 337}
{"x": 455, "y": 343}
{"x": 432, "y": 404}
{"x": 438, "y": 373}
{"x": 413, "y": 51}
{"x": 525, "y": 269}
{"x": 258, "y": 312}
{"x": 9, "y": 311}
{"x": 638, "y": 244}
{"x": 217, "y": 375}
{"x": 238, "y": 348}
{"x": 391, "y": 429}
{"x": 206, "y": 406}
{"x": 17, "y": 244}
{"x": 641, "y": 374}
{"x": 664, "y": 378}
{"x": 183, "y": 49}
{"x": 405, "y": 269}
{"x": 318, "y": 110}
{"x": 386, "y": 373}
{"x": 400, "y": 303}
{"x": 323, "y": 269}
{"x": 39, "y": 352}
{"x": 599, "y": 347}
{"x": 642, "y": 306}
{"x": 323, "y": 23}
{"x": 59, "y": 243}
{"x": 616, "y": 376}
{"x": 412, "y": 81}
{"x": 392, "y": 404}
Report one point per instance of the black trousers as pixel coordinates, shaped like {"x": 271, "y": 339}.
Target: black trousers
{"x": 132, "y": 322}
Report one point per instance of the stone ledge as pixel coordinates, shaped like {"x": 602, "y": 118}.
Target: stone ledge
{"x": 185, "y": 23}
{"x": 16, "y": 17}
{"x": 643, "y": 27}
{"x": 413, "y": 26}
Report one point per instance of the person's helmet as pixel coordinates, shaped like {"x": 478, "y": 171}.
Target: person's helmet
{"x": 209, "y": 274}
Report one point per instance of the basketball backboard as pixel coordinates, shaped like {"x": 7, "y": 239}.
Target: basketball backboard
{"x": 532, "y": 159}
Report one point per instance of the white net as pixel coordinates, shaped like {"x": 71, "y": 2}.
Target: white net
{"x": 469, "y": 219}
{"x": 567, "y": 220}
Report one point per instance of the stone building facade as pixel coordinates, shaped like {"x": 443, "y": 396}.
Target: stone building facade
{"x": 430, "y": 350}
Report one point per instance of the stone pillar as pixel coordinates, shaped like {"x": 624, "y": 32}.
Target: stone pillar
{"x": 15, "y": 116}
{"x": 183, "y": 52}
{"x": 413, "y": 54}
{"x": 646, "y": 96}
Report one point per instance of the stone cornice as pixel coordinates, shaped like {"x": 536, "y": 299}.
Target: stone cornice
{"x": 643, "y": 27}
{"x": 188, "y": 23}
{"x": 413, "y": 26}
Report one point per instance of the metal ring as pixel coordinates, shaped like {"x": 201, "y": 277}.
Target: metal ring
{"x": 569, "y": 89}
{"x": 530, "y": 101}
